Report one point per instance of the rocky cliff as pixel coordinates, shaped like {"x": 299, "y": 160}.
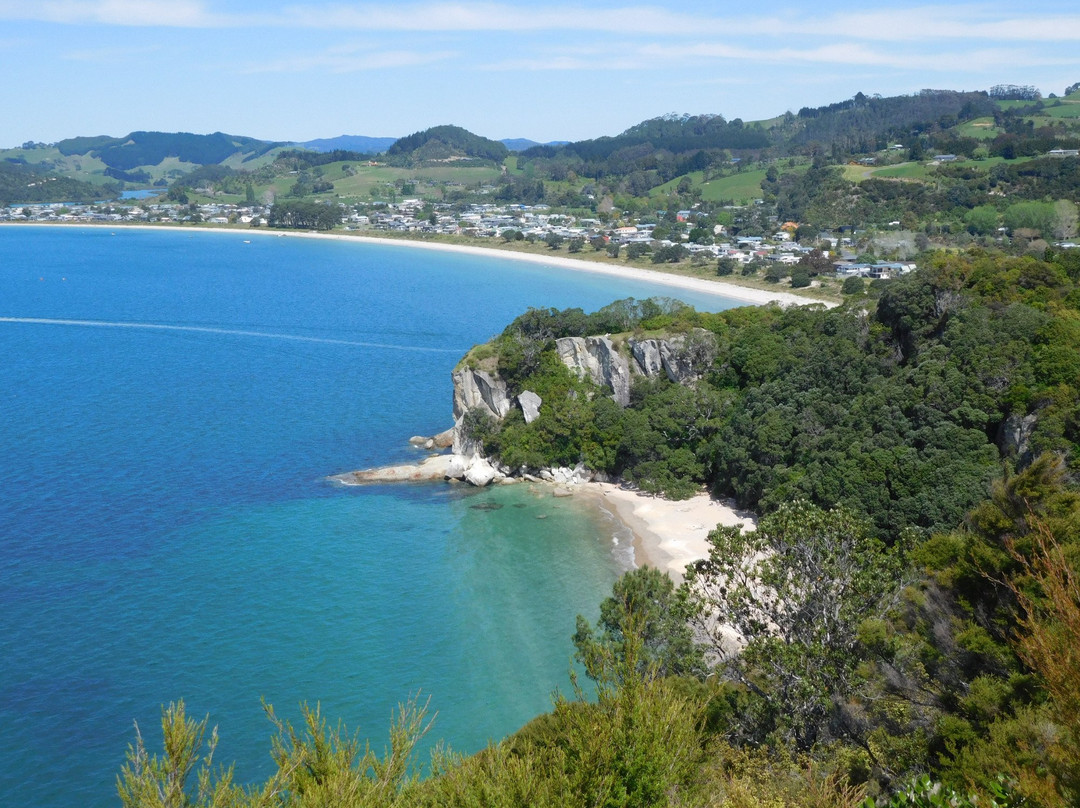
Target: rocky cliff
{"x": 683, "y": 358}
{"x": 596, "y": 358}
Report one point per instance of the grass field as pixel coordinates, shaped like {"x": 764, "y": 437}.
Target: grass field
{"x": 981, "y": 128}
{"x": 428, "y": 182}
{"x": 1067, "y": 109}
{"x": 903, "y": 171}
{"x": 741, "y": 187}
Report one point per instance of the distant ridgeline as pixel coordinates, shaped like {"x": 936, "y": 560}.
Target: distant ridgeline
{"x": 150, "y": 148}
{"x": 695, "y": 162}
{"x": 903, "y": 408}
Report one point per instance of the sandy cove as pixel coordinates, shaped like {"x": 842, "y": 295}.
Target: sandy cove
{"x": 704, "y": 286}
{"x": 668, "y": 534}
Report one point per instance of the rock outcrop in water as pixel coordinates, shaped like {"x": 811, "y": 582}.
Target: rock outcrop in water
{"x": 682, "y": 358}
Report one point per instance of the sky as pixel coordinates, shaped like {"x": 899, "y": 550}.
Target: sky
{"x": 295, "y": 71}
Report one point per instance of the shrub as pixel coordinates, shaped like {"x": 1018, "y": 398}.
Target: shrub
{"x": 853, "y": 286}
{"x": 800, "y": 279}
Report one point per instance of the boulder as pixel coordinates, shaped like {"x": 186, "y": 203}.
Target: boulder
{"x": 479, "y": 472}
{"x": 530, "y": 405}
{"x": 455, "y": 469}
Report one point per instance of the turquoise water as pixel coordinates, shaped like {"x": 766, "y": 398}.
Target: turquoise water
{"x": 171, "y": 405}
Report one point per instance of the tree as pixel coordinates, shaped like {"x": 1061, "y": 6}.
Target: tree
{"x": 1065, "y": 226}
{"x": 981, "y": 220}
{"x": 672, "y": 254}
{"x": 701, "y": 235}
{"x": 816, "y": 262}
{"x": 647, "y": 599}
{"x": 553, "y": 240}
{"x": 725, "y": 266}
{"x": 782, "y": 607}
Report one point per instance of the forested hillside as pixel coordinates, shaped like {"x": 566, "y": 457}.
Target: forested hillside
{"x": 444, "y": 143}
{"x": 150, "y": 148}
{"x": 901, "y": 628}
{"x": 21, "y": 183}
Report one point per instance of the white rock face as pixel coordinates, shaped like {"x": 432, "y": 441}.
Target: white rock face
{"x": 647, "y": 356}
{"x": 682, "y": 358}
{"x": 530, "y": 405}
{"x": 596, "y": 358}
{"x": 478, "y": 388}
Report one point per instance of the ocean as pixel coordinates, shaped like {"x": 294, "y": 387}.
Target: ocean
{"x": 171, "y": 406}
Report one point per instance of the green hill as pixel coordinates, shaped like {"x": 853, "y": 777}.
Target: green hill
{"x": 446, "y": 143}
{"x": 151, "y": 148}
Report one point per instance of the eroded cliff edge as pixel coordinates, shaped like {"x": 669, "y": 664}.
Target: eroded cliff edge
{"x": 607, "y": 363}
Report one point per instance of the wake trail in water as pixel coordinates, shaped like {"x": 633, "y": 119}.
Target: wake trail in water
{"x": 229, "y": 331}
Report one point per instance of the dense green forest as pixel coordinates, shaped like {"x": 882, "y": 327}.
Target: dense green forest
{"x": 901, "y": 629}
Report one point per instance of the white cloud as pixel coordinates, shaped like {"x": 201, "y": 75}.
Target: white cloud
{"x": 946, "y": 22}
{"x": 350, "y": 59}
{"x": 461, "y": 17}
{"x": 110, "y": 56}
{"x": 912, "y": 24}
{"x": 164, "y": 13}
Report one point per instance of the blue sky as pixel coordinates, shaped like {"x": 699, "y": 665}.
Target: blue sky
{"x": 286, "y": 70}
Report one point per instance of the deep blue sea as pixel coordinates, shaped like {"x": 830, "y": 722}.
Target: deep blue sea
{"x": 170, "y": 406}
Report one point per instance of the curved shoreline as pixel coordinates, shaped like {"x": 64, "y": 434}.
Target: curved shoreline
{"x": 667, "y": 534}
{"x": 730, "y": 291}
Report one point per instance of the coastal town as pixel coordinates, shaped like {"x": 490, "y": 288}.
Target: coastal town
{"x": 533, "y": 223}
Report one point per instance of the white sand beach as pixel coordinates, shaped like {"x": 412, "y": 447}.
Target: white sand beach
{"x": 657, "y": 276}
{"x": 668, "y": 534}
